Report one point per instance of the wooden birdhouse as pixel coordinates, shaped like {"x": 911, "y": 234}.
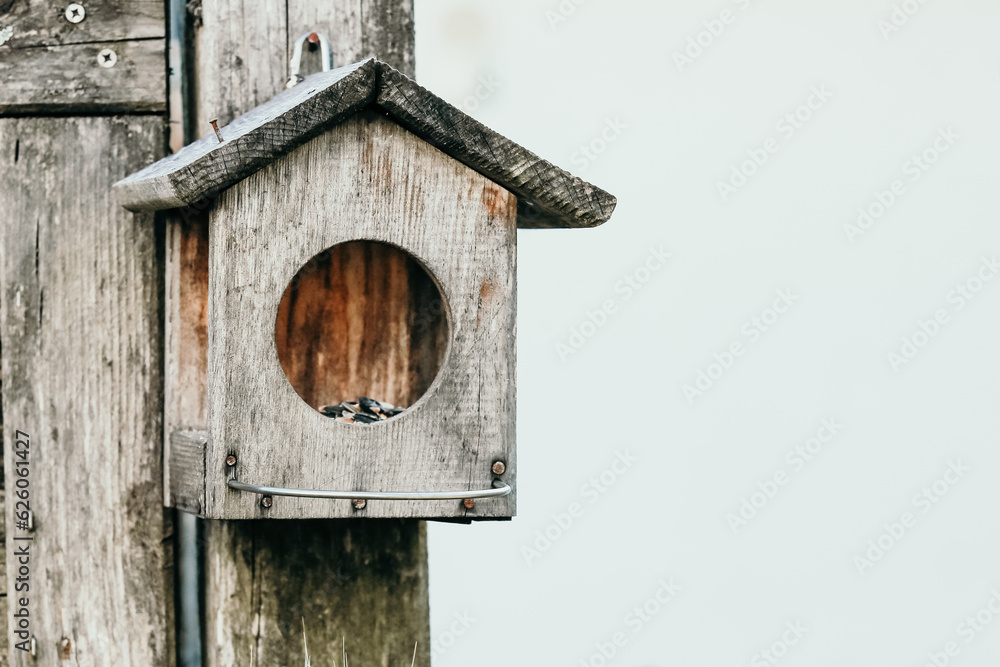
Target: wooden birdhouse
{"x": 360, "y": 244}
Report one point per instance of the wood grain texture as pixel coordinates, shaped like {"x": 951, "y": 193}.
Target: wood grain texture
{"x": 5, "y": 640}
{"x": 201, "y": 169}
{"x": 81, "y": 341}
{"x": 369, "y": 179}
{"x": 549, "y": 196}
{"x": 357, "y": 30}
{"x": 239, "y": 55}
{"x": 186, "y": 333}
{"x": 44, "y": 23}
{"x": 69, "y": 79}
{"x": 361, "y": 319}
{"x": 361, "y": 581}
{"x": 303, "y": 574}
{"x": 186, "y": 464}
{"x": 4, "y": 607}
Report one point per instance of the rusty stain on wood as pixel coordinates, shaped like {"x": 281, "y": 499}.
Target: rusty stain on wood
{"x": 345, "y": 326}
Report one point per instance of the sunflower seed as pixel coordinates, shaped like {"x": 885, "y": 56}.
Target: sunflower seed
{"x": 365, "y": 411}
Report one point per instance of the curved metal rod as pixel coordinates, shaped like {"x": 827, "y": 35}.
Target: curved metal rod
{"x": 501, "y": 490}
{"x": 326, "y": 60}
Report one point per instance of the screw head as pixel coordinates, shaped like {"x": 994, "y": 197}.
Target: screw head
{"x": 359, "y": 503}
{"x": 469, "y": 503}
{"x": 230, "y": 460}
{"x": 266, "y": 502}
{"x": 107, "y": 58}
{"x": 75, "y": 12}
{"x": 499, "y": 468}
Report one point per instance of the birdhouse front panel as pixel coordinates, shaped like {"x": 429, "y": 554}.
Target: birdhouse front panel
{"x": 385, "y": 213}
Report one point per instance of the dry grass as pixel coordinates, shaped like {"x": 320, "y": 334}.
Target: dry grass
{"x": 343, "y": 650}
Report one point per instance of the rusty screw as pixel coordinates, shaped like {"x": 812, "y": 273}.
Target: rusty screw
{"x": 230, "y": 460}
{"x": 469, "y": 503}
{"x": 215, "y": 126}
{"x": 499, "y": 468}
{"x": 266, "y": 502}
{"x": 359, "y": 503}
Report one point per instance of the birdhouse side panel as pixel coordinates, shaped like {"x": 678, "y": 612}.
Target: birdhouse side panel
{"x": 367, "y": 179}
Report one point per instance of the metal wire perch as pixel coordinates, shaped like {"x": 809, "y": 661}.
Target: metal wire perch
{"x": 499, "y": 489}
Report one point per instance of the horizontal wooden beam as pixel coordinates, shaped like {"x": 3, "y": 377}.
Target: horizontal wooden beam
{"x": 75, "y": 79}
{"x": 47, "y": 23}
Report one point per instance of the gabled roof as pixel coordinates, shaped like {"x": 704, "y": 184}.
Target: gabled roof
{"x": 547, "y": 195}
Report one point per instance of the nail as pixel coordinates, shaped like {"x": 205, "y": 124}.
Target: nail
{"x": 499, "y": 468}
{"x": 359, "y": 503}
{"x": 215, "y": 126}
{"x": 230, "y": 460}
{"x": 469, "y": 503}
{"x": 266, "y": 502}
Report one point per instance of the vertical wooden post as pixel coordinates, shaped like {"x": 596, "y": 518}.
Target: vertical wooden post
{"x": 362, "y": 582}
{"x": 80, "y": 323}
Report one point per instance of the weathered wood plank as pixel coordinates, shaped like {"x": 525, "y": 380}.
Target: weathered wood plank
{"x": 239, "y": 51}
{"x": 203, "y": 168}
{"x": 4, "y": 606}
{"x": 186, "y": 334}
{"x": 368, "y": 179}
{"x": 70, "y": 79}
{"x": 44, "y": 23}
{"x": 301, "y": 572}
{"x": 357, "y": 30}
{"x": 5, "y": 640}
{"x": 550, "y": 196}
{"x": 186, "y": 464}
{"x": 81, "y": 363}
{"x": 363, "y": 582}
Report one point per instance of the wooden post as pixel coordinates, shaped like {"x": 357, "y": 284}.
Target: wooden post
{"x": 361, "y": 582}
{"x": 80, "y": 298}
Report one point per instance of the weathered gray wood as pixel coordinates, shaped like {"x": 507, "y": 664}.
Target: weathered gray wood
{"x": 81, "y": 366}
{"x": 314, "y": 559}
{"x": 273, "y": 129}
{"x": 550, "y": 196}
{"x": 187, "y": 470}
{"x": 4, "y": 607}
{"x": 69, "y": 79}
{"x": 369, "y": 179}
{"x": 186, "y": 334}
{"x": 5, "y": 640}
{"x": 239, "y": 55}
{"x": 44, "y": 23}
{"x": 359, "y": 29}
{"x": 363, "y": 582}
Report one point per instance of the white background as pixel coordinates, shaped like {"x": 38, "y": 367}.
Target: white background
{"x": 557, "y": 85}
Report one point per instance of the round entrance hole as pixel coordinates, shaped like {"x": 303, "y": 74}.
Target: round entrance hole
{"x": 362, "y": 320}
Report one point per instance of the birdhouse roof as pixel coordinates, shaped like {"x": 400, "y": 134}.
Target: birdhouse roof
{"x": 547, "y": 195}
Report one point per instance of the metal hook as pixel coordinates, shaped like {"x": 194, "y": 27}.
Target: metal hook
{"x": 324, "y": 51}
